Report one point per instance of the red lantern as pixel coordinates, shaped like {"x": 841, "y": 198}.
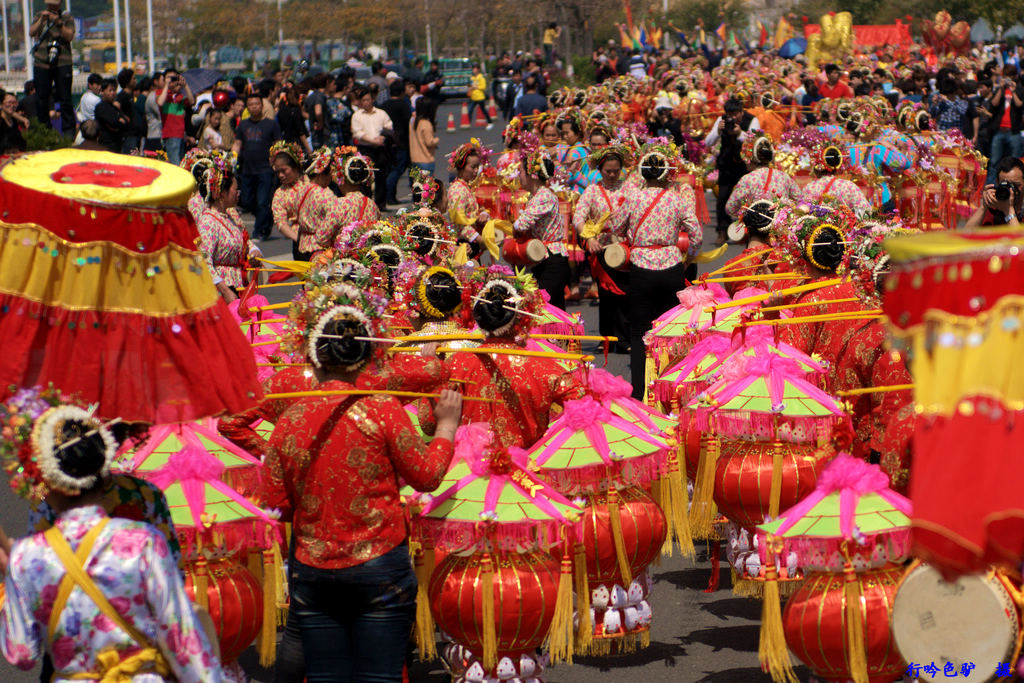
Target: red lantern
{"x": 643, "y": 533}
{"x": 743, "y": 477}
{"x": 235, "y": 602}
{"x": 815, "y": 624}
{"x": 524, "y": 586}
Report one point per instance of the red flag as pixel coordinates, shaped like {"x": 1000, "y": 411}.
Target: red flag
{"x": 763, "y": 40}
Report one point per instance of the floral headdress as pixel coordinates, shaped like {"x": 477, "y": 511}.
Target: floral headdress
{"x": 411, "y": 282}
{"x": 380, "y": 241}
{"x": 517, "y": 291}
{"x": 429, "y": 236}
{"x": 543, "y": 120}
{"x": 194, "y": 156}
{"x": 457, "y": 159}
{"x": 35, "y": 430}
{"x": 428, "y": 185}
{"x": 349, "y": 160}
{"x": 828, "y": 157}
{"x": 535, "y": 166}
{"x": 289, "y": 149}
{"x": 815, "y": 234}
{"x": 328, "y": 267}
{"x": 512, "y": 131}
{"x": 660, "y": 150}
{"x": 598, "y": 156}
{"x": 313, "y": 308}
{"x": 211, "y": 171}
{"x": 752, "y": 146}
{"x": 323, "y": 160}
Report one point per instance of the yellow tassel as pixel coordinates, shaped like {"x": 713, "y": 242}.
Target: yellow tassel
{"x": 266, "y": 646}
{"x": 702, "y": 511}
{"x": 254, "y": 563}
{"x": 561, "y": 642}
{"x": 678, "y": 504}
{"x": 650, "y": 374}
{"x": 490, "y": 636}
{"x": 280, "y": 586}
{"x": 858, "y": 658}
{"x": 615, "y": 517}
{"x": 775, "y": 492}
{"x": 425, "y": 641}
{"x": 201, "y": 583}
{"x": 772, "y": 651}
{"x": 584, "y": 629}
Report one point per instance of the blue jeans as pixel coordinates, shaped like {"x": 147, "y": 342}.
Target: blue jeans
{"x": 175, "y": 148}
{"x": 256, "y": 192}
{"x": 356, "y": 622}
{"x": 399, "y": 163}
{"x": 426, "y": 168}
{"x": 483, "y": 107}
{"x": 1005, "y": 143}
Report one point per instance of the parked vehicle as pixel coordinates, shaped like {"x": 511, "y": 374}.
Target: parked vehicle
{"x": 456, "y": 73}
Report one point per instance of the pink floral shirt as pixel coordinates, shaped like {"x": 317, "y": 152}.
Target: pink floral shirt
{"x": 196, "y": 205}
{"x": 350, "y": 208}
{"x": 761, "y": 183}
{"x": 319, "y": 209}
{"x": 461, "y": 198}
{"x": 224, "y": 243}
{"x": 653, "y": 239}
{"x": 542, "y": 220}
{"x": 596, "y": 201}
{"x": 132, "y": 566}
{"x": 841, "y": 189}
{"x": 284, "y": 207}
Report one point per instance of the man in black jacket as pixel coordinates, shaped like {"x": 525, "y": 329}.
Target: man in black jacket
{"x": 399, "y": 110}
{"x": 731, "y": 128}
{"x": 113, "y": 122}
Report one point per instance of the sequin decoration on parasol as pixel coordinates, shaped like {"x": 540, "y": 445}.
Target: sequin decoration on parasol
{"x": 554, "y": 320}
{"x": 104, "y": 294}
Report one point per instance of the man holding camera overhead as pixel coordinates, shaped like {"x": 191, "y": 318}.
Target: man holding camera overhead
{"x": 732, "y": 128}
{"x": 53, "y": 32}
{"x": 1001, "y": 203}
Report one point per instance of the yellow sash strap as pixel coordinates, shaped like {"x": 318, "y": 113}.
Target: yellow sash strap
{"x": 709, "y": 256}
{"x": 488, "y": 234}
{"x": 111, "y": 668}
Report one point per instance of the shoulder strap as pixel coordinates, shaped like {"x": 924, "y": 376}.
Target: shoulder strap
{"x": 302, "y": 201}
{"x": 767, "y": 181}
{"x": 74, "y": 563}
{"x": 362, "y": 209}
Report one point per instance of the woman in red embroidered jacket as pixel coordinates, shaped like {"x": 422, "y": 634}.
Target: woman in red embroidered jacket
{"x": 540, "y": 219}
{"x": 333, "y": 469}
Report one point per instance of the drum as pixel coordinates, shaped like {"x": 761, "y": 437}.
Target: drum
{"x": 617, "y": 256}
{"x": 973, "y": 619}
{"x": 683, "y": 242}
{"x": 523, "y": 252}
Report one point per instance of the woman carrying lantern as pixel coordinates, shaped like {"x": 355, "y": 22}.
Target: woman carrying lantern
{"x": 333, "y": 465}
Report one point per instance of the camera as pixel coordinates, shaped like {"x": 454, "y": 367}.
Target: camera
{"x": 1004, "y": 190}
{"x": 53, "y": 53}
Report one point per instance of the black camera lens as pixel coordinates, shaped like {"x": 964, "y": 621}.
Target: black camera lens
{"x": 1003, "y": 191}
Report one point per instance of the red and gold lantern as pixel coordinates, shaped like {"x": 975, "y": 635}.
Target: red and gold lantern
{"x": 815, "y": 625}
{"x": 643, "y": 530}
{"x": 513, "y": 591}
{"x": 234, "y": 599}
{"x": 749, "y": 473}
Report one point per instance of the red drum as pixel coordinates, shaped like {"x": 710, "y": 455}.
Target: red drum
{"x": 683, "y": 242}
{"x": 523, "y": 252}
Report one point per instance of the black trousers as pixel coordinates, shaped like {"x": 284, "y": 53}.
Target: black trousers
{"x": 553, "y": 277}
{"x": 721, "y": 217}
{"x": 380, "y": 158}
{"x": 54, "y": 82}
{"x": 651, "y": 293}
{"x": 613, "y": 309}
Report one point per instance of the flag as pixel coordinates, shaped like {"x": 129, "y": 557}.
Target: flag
{"x": 643, "y": 35}
{"x": 763, "y": 38}
{"x": 702, "y": 39}
{"x": 629, "y": 17}
{"x": 720, "y": 32}
{"x": 783, "y": 32}
{"x": 656, "y": 34}
{"x": 624, "y": 37}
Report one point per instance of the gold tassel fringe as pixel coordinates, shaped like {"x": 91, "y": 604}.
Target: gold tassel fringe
{"x": 772, "y": 651}
{"x": 703, "y": 509}
{"x": 620, "y": 645}
{"x": 490, "y": 636}
{"x": 425, "y": 641}
{"x": 584, "y": 629}
{"x": 854, "y": 626}
{"x": 775, "y": 492}
{"x": 561, "y": 639}
{"x": 755, "y": 588}
{"x": 266, "y": 645}
{"x": 678, "y": 502}
{"x": 280, "y": 586}
{"x": 615, "y": 517}
{"x": 201, "y": 583}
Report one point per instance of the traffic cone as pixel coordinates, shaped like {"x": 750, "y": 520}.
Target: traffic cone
{"x": 464, "y": 118}
{"x": 481, "y": 120}
{"x": 450, "y": 128}
{"x": 492, "y": 109}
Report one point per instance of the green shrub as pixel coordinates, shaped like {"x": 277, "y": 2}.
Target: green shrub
{"x": 42, "y": 137}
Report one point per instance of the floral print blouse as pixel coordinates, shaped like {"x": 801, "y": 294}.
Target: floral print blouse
{"x": 653, "y": 239}
{"x": 284, "y": 207}
{"x": 596, "y": 201}
{"x": 320, "y": 210}
{"x": 225, "y": 244}
{"x": 461, "y": 198}
{"x": 132, "y": 566}
{"x": 541, "y": 219}
{"x": 761, "y": 183}
{"x": 350, "y": 208}
{"x": 838, "y": 188}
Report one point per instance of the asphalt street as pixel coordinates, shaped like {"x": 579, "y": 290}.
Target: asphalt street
{"x": 695, "y": 636}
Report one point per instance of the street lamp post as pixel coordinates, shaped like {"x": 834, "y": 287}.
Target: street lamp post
{"x": 117, "y": 36}
{"x": 128, "y": 31}
{"x": 7, "y": 40}
{"x": 149, "y": 29}
{"x": 26, "y": 21}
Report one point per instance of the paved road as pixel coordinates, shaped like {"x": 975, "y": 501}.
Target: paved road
{"x": 696, "y": 636}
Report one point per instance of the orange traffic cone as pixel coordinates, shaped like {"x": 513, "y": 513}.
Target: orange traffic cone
{"x": 450, "y": 128}
{"x": 464, "y": 118}
{"x": 481, "y": 120}
{"x": 492, "y": 109}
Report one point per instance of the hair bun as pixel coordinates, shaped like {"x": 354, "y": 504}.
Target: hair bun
{"x": 758, "y": 216}
{"x": 491, "y": 311}
{"x": 763, "y": 151}
{"x": 357, "y": 171}
{"x": 826, "y": 247}
{"x": 335, "y": 346}
{"x": 440, "y": 290}
{"x": 654, "y": 166}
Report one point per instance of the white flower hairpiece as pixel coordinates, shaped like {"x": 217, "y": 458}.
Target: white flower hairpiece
{"x": 45, "y": 436}
{"x": 348, "y": 312}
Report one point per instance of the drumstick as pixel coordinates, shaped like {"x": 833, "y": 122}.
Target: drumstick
{"x": 746, "y": 258}
{"x": 799, "y": 289}
{"x": 370, "y": 392}
{"x": 87, "y": 434}
{"x": 810, "y": 303}
{"x": 481, "y": 350}
{"x": 509, "y": 308}
{"x": 267, "y": 320}
{"x": 282, "y": 284}
{"x": 809, "y": 319}
{"x": 754, "y": 277}
{"x": 875, "y": 390}
{"x": 274, "y": 307}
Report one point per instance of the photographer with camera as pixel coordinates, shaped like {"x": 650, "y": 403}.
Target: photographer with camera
{"x": 1007, "y": 109}
{"x": 1001, "y": 203}
{"x": 732, "y": 128}
{"x": 53, "y": 32}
